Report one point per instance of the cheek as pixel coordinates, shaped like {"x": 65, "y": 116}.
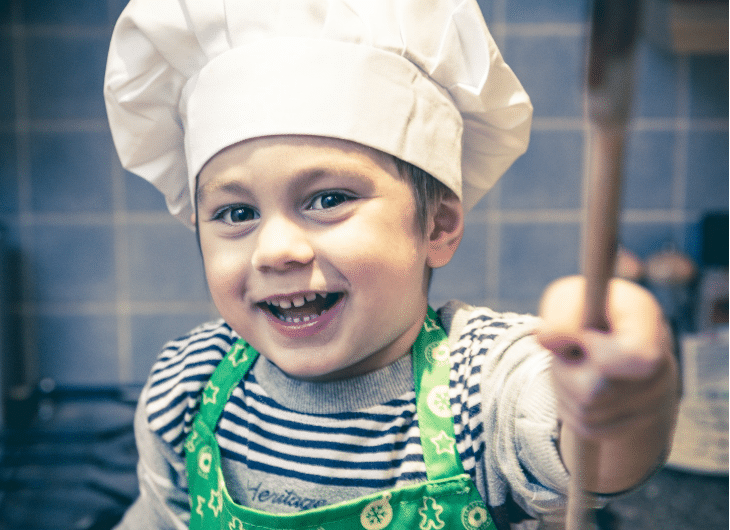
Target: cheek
{"x": 224, "y": 269}
{"x": 388, "y": 256}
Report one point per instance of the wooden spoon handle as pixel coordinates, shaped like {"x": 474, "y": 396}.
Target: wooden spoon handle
{"x": 598, "y": 265}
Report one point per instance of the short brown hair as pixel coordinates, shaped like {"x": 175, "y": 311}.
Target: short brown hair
{"x": 427, "y": 191}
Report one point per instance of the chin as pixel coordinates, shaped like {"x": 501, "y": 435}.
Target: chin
{"x": 320, "y": 371}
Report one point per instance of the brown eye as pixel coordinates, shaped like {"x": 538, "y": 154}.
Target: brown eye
{"x": 237, "y": 214}
{"x": 240, "y": 215}
{"x": 329, "y": 200}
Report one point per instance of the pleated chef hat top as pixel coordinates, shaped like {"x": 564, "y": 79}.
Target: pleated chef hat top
{"x": 422, "y": 80}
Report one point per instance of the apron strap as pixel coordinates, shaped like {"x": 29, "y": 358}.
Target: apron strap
{"x": 229, "y": 372}
{"x": 431, "y": 376}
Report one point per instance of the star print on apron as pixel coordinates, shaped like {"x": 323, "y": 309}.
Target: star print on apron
{"x": 449, "y": 500}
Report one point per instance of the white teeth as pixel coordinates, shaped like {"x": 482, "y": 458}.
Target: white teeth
{"x": 296, "y": 301}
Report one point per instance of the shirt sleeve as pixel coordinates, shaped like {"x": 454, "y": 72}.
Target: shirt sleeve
{"x": 519, "y": 413}
{"x": 163, "y": 495}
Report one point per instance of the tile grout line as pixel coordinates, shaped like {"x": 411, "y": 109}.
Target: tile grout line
{"x": 493, "y": 230}
{"x": 152, "y": 308}
{"x": 586, "y": 182}
{"x": 545, "y": 29}
{"x": 122, "y": 272}
{"x": 572, "y": 216}
{"x": 680, "y": 176}
{"x": 85, "y": 219}
{"x": 66, "y": 30}
{"x": 29, "y": 336}
{"x": 123, "y": 277}
{"x": 539, "y": 123}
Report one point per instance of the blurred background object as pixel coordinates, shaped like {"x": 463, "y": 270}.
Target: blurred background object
{"x": 712, "y": 303}
{"x": 688, "y": 26}
{"x": 629, "y": 266}
{"x": 671, "y": 275}
{"x": 98, "y": 276}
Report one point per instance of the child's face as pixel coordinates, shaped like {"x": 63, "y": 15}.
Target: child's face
{"x": 313, "y": 254}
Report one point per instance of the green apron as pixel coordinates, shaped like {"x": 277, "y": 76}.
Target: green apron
{"x": 449, "y": 500}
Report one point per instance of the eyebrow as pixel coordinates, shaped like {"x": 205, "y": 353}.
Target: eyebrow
{"x": 313, "y": 174}
{"x": 232, "y": 187}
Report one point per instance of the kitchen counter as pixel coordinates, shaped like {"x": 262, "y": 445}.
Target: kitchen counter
{"x": 671, "y": 500}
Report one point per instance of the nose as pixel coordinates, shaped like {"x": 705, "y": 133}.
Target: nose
{"x": 281, "y": 245}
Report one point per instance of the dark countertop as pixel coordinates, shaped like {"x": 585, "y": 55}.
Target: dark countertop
{"x": 672, "y": 500}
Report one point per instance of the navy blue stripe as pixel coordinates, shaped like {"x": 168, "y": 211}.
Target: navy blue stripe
{"x": 321, "y": 444}
{"x": 187, "y": 344}
{"x": 195, "y": 378}
{"x": 477, "y": 431}
{"x": 474, "y": 410}
{"x": 177, "y": 367}
{"x": 325, "y": 463}
{"x": 213, "y": 363}
{"x": 175, "y": 421}
{"x": 481, "y": 337}
{"x": 479, "y": 453}
{"x": 190, "y": 341}
{"x": 346, "y": 431}
{"x": 479, "y": 318}
{"x": 171, "y": 405}
{"x": 341, "y": 416}
{"x": 173, "y": 424}
{"x": 184, "y": 363}
{"x": 179, "y": 439}
{"x": 325, "y": 480}
{"x": 306, "y": 427}
{"x": 398, "y": 404}
{"x": 460, "y": 380}
{"x": 468, "y": 452}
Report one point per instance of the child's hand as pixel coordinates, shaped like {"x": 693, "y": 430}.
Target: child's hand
{"x": 619, "y": 388}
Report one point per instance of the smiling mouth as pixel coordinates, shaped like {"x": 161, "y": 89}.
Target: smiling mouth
{"x": 302, "y": 308}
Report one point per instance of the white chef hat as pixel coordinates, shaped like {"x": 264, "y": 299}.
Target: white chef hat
{"x": 421, "y": 80}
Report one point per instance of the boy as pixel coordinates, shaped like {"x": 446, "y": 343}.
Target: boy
{"x": 325, "y": 153}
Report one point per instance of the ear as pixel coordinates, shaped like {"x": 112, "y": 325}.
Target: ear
{"x": 446, "y": 226}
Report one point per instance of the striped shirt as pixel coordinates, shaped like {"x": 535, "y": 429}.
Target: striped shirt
{"x": 289, "y": 445}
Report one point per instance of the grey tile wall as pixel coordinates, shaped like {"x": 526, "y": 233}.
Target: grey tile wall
{"x": 100, "y": 275}
{"x": 676, "y": 160}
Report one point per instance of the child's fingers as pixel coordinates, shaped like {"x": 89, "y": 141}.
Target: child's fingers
{"x": 574, "y": 373}
{"x": 608, "y": 355}
{"x": 624, "y": 356}
{"x": 596, "y": 406}
{"x": 608, "y": 382}
{"x": 639, "y": 343}
{"x": 621, "y": 407}
{"x": 565, "y": 344}
{"x": 636, "y": 346}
